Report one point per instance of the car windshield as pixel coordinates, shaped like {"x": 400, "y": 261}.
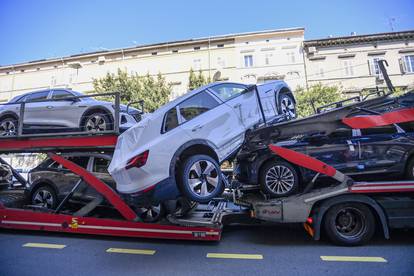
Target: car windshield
{"x": 17, "y": 99}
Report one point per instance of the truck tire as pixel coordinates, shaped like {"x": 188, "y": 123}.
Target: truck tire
{"x": 201, "y": 178}
{"x": 349, "y": 224}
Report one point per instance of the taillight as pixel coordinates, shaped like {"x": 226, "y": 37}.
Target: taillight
{"x": 138, "y": 161}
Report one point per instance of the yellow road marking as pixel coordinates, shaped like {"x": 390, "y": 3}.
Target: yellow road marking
{"x": 44, "y": 245}
{"x": 235, "y": 256}
{"x": 353, "y": 259}
{"x": 131, "y": 251}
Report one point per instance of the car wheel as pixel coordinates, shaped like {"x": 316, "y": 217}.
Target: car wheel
{"x": 45, "y": 196}
{"x": 151, "y": 214}
{"x": 409, "y": 172}
{"x": 201, "y": 178}
{"x": 97, "y": 122}
{"x": 349, "y": 224}
{"x": 8, "y": 127}
{"x": 278, "y": 178}
{"x": 287, "y": 106}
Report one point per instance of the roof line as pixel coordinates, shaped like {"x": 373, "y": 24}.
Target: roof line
{"x": 378, "y": 36}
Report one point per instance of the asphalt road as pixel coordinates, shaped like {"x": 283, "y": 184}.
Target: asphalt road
{"x": 281, "y": 250}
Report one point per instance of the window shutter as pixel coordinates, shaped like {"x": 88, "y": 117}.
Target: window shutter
{"x": 370, "y": 67}
{"x": 402, "y": 66}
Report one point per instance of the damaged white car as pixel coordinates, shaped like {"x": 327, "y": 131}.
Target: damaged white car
{"x": 176, "y": 151}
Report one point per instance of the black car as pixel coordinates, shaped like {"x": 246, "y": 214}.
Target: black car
{"x": 49, "y": 183}
{"x": 361, "y": 153}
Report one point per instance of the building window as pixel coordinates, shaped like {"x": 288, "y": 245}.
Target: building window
{"x": 374, "y": 67}
{"x": 220, "y": 45}
{"x": 291, "y": 57}
{"x": 408, "y": 64}
{"x": 154, "y": 53}
{"x": 196, "y": 48}
{"x": 175, "y": 51}
{"x": 268, "y": 59}
{"x": 248, "y": 61}
{"x": 319, "y": 70}
{"x": 348, "y": 68}
{"x": 197, "y": 64}
{"x": 221, "y": 62}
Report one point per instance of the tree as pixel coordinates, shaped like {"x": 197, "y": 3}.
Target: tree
{"x": 316, "y": 96}
{"x": 197, "y": 80}
{"x": 154, "y": 91}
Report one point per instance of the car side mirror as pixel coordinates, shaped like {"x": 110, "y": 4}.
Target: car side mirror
{"x": 250, "y": 88}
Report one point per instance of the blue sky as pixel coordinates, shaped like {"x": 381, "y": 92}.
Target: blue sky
{"x": 31, "y": 30}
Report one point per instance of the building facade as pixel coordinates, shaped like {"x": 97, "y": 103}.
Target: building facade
{"x": 349, "y": 62}
{"x": 247, "y": 57}
{"x": 352, "y": 62}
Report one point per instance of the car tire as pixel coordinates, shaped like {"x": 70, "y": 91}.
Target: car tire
{"x": 201, "y": 179}
{"x": 9, "y": 126}
{"x": 287, "y": 106}
{"x": 44, "y": 196}
{"x": 153, "y": 213}
{"x": 278, "y": 178}
{"x": 349, "y": 224}
{"x": 409, "y": 171}
{"x": 97, "y": 122}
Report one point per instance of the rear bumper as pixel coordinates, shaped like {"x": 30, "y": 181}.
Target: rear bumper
{"x": 162, "y": 191}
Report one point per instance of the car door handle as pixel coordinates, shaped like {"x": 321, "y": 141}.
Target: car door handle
{"x": 197, "y": 128}
{"x": 49, "y": 107}
{"x": 236, "y": 105}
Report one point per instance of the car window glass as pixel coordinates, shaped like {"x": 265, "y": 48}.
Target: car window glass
{"x": 80, "y": 161}
{"x": 38, "y": 96}
{"x": 228, "y": 91}
{"x": 100, "y": 165}
{"x": 60, "y": 94}
{"x": 55, "y": 165}
{"x": 197, "y": 105}
{"x": 171, "y": 120}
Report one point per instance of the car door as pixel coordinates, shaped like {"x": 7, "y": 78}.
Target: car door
{"x": 381, "y": 149}
{"x": 339, "y": 150}
{"x": 243, "y": 102}
{"x": 35, "y": 112}
{"x": 99, "y": 168}
{"x": 71, "y": 179}
{"x": 63, "y": 113}
{"x": 204, "y": 117}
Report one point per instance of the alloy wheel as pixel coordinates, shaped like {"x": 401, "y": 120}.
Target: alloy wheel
{"x": 8, "y": 128}
{"x": 95, "y": 123}
{"x": 43, "y": 198}
{"x": 203, "y": 178}
{"x": 279, "y": 179}
{"x": 288, "y": 107}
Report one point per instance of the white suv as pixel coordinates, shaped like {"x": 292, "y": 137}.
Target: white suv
{"x": 177, "y": 149}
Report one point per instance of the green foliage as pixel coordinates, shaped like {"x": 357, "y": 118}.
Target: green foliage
{"x": 154, "y": 91}
{"x": 316, "y": 96}
{"x": 197, "y": 80}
